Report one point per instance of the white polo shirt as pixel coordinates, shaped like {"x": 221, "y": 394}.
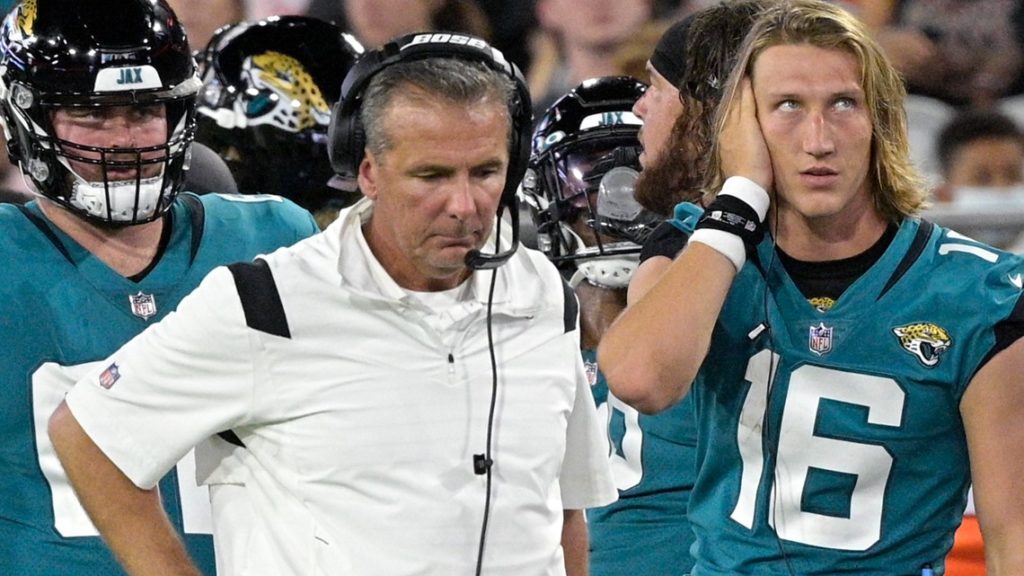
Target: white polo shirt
{"x": 361, "y": 415}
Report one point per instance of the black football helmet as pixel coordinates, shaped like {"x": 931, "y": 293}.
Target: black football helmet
{"x": 584, "y": 162}
{"x": 85, "y": 54}
{"x": 266, "y": 105}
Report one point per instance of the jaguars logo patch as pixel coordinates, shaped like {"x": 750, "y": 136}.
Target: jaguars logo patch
{"x": 924, "y": 340}
{"x": 26, "y": 18}
{"x": 286, "y": 97}
{"x": 822, "y": 303}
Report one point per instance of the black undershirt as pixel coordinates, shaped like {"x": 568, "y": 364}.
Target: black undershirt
{"x": 828, "y": 280}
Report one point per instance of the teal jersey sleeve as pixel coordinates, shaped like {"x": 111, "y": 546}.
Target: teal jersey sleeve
{"x": 62, "y": 311}
{"x": 269, "y": 222}
{"x": 831, "y": 441}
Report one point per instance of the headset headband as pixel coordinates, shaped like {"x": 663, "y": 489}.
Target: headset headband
{"x": 347, "y": 138}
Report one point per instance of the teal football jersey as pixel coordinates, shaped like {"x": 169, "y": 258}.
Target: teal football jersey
{"x": 653, "y": 461}
{"x": 61, "y": 312}
{"x": 831, "y": 441}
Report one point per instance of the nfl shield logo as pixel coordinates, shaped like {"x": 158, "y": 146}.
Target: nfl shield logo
{"x": 143, "y": 305}
{"x": 109, "y": 376}
{"x": 820, "y": 339}
{"x": 591, "y": 368}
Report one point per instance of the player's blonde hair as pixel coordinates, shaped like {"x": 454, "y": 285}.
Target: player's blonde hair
{"x": 897, "y": 188}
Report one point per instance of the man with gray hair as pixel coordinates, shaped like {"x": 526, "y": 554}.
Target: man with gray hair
{"x": 404, "y": 390}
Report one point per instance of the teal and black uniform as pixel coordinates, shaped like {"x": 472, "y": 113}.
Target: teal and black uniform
{"x": 61, "y": 311}
{"x": 831, "y": 440}
{"x": 646, "y": 530}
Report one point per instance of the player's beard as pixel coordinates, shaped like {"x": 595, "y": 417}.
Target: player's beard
{"x": 658, "y": 184}
{"x": 665, "y": 182}
{"x": 675, "y": 174}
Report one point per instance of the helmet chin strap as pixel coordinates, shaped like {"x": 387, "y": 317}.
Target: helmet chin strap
{"x": 91, "y": 197}
{"x": 611, "y": 272}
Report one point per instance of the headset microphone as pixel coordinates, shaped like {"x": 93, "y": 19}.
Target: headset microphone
{"x": 477, "y": 260}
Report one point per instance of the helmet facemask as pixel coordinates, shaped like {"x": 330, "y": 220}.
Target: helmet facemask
{"x": 591, "y": 218}
{"x": 132, "y": 185}
{"x": 579, "y": 187}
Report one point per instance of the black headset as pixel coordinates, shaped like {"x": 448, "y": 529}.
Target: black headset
{"x": 347, "y": 139}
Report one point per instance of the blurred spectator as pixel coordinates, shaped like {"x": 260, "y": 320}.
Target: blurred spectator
{"x": 631, "y": 58}
{"x": 578, "y": 41}
{"x": 512, "y": 22}
{"x": 959, "y": 52}
{"x": 981, "y": 153}
{"x": 675, "y": 10}
{"x": 374, "y": 22}
{"x": 872, "y": 12}
{"x": 667, "y": 7}
{"x": 925, "y": 119}
{"x": 260, "y": 9}
{"x": 201, "y": 18}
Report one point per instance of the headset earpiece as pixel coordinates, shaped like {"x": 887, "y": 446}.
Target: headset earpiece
{"x": 346, "y": 140}
{"x": 344, "y": 136}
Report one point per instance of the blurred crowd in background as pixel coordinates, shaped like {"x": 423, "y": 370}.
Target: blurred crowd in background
{"x": 963, "y": 61}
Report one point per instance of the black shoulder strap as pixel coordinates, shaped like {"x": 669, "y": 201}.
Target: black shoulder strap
{"x": 260, "y": 299}
{"x": 46, "y": 230}
{"x": 197, "y": 218}
{"x": 571, "y": 309}
{"x": 924, "y": 231}
{"x": 261, "y": 303}
{"x": 231, "y": 438}
{"x": 1008, "y": 330}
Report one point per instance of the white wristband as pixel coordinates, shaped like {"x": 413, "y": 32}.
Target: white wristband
{"x": 749, "y": 192}
{"x": 727, "y": 244}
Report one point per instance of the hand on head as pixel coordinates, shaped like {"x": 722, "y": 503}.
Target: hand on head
{"x": 743, "y": 148}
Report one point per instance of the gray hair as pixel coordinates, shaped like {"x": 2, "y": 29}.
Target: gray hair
{"x": 455, "y": 80}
